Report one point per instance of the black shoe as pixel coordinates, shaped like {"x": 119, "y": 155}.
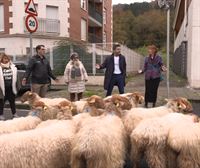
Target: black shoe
{"x": 154, "y": 105}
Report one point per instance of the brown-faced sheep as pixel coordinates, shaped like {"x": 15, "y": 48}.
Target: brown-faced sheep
{"x": 45, "y": 147}
{"x": 100, "y": 142}
{"x": 135, "y": 115}
{"x": 150, "y": 136}
{"x": 184, "y": 142}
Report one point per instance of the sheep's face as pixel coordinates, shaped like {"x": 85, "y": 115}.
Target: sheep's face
{"x": 180, "y": 105}
{"x": 39, "y": 107}
{"x": 121, "y": 102}
{"x": 112, "y": 108}
{"x": 96, "y": 101}
{"x": 136, "y": 97}
{"x": 28, "y": 96}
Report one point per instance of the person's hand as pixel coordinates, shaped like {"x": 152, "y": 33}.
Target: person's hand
{"x": 23, "y": 81}
{"x": 97, "y": 66}
{"x": 163, "y": 68}
{"x": 140, "y": 71}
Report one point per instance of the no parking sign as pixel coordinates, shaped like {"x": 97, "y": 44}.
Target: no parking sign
{"x": 31, "y": 23}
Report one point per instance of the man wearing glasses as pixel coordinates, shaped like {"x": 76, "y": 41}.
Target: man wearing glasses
{"x": 40, "y": 71}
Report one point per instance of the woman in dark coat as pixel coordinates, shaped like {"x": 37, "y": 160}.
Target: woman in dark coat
{"x": 115, "y": 73}
{"x": 153, "y": 66}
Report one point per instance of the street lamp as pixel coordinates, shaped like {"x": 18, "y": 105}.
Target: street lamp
{"x": 166, "y": 4}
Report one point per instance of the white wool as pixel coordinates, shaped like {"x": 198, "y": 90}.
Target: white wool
{"x": 43, "y": 147}
{"x": 80, "y": 105}
{"x": 101, "y": 141}
{"x": 19, "y": 124}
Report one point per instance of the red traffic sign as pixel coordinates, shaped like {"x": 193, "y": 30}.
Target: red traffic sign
{"x": 31, "y": 23}
{"x": 31, "y": 9}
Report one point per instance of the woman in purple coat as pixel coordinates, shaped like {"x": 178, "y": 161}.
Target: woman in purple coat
{"x": 153, "y": 66}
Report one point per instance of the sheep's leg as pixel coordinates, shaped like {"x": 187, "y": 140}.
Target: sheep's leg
{"x": 136, "y": 154}
{"x": 171, "y": 158}
{"x": 78, "y": 162}
{"x": 156, "y": 157}
{"x": 185, "y": 161}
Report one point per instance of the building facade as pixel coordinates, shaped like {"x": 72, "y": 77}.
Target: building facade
{"x": 89, "y": 21}
{"x": 187, "y": 40}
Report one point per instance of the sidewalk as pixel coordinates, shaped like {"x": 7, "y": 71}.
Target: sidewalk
{"x": 94, "y": 85}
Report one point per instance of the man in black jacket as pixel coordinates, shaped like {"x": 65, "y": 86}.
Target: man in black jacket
{"x": 115, "y": 71}
{"x": 40, "y": 71}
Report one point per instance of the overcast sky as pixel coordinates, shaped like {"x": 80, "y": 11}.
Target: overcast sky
{"x": 128, "y": 1}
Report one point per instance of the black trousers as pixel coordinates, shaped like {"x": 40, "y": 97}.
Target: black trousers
{"x": 10, "y": 96}
{"x": 117, "y": 80}
{"x": 151, "y": 90}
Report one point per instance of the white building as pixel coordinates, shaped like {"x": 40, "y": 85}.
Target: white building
{"x": 187, "y": 31}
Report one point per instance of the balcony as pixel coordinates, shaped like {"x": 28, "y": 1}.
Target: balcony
{"x": 46, "y": 26}
{"x": 92, "y": 38}
{"x": 95, "y": 15}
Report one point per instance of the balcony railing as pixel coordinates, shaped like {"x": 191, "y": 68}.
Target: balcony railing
{"x": 95, "y": 14}
{"x": 92, "y": 38}
{"x": 46, "y": 26}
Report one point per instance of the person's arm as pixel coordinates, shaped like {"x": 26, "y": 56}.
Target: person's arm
{"x": 66, "y": 74}
{"x": 125, "y": 67}
{"x": 85, "y": 76}
{"x": 50, "y": 72}
{"x": 103, "y": 65}
{"x": 29, "y": 70}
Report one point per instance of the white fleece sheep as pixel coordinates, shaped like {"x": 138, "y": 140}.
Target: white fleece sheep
{"x": 63, "y": 110}
{"x": 46, "y": 147}
{"x": 100, "y": 142}
{"x": 135, "y": 115}
{"x": 32, "y": 97}
{"x": 184, "y": 140}
{"x": 19, "y": 124}
{"x": 150, "y": 136}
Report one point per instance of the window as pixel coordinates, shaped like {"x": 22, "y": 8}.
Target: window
{"x": 2, "y": 50}
{"x": 83, "y": 29}
{"x": 52, "y": 12}
{"x": 84, "y": 4}
{"x": 1, "y": 18}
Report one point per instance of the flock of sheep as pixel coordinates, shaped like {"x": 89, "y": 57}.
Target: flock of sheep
{"x": 101, "y": 133}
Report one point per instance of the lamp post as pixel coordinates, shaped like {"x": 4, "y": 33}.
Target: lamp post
{"x": 166, "y": 4}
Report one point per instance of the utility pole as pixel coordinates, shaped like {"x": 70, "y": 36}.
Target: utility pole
{"x": 166, "y": 4}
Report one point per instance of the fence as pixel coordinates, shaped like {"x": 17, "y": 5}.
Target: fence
{"x": 90, "y": 55}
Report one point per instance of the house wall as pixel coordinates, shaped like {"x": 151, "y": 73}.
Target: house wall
{"x": 190, "y": 32}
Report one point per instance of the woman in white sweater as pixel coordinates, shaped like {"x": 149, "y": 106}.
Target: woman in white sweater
{"x": 8, "y": 82}
{"x": 75, "y": 76}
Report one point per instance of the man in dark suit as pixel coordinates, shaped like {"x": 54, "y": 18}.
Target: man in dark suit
{"x": 115, "y": 70}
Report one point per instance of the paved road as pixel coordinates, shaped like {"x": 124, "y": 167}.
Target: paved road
{"x": 20, "y": 112}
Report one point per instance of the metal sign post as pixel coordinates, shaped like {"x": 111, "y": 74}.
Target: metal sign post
{"x": 166, "y": 4}
{"x": 31, "y": 22}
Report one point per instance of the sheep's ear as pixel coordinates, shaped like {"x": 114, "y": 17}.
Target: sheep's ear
{"x": 167, "y": 100}
{"x": 71, "y": 108}
{"x": 181, "y": 106}
{"x": 45, "y": 108}
{"x": 92, "y": 100}
{"x": 30, "y": 93}
{"x": 117, "y": 105}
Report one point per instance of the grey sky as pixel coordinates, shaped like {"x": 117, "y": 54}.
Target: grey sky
{"x": 128, "y": 1}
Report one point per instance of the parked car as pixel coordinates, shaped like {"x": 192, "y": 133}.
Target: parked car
{"x": 21, "y": 69}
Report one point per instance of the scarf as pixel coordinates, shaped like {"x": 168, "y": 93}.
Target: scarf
{"x": 76, "y": 71}
{"x": 5, "y": 65}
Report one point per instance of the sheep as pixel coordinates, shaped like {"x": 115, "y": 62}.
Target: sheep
{"x": 45, "y": 112}
{"x": 150, "y": 137}
{"x": 19, "y": 124}
{"x": 32, "y": 97}
{"x": 46, "y": 147}
{"x": 134, "y": 98}
{"x": 184, "y": 142}
{"x": 100, "y": 142}
{"x": 132, "y": 117}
